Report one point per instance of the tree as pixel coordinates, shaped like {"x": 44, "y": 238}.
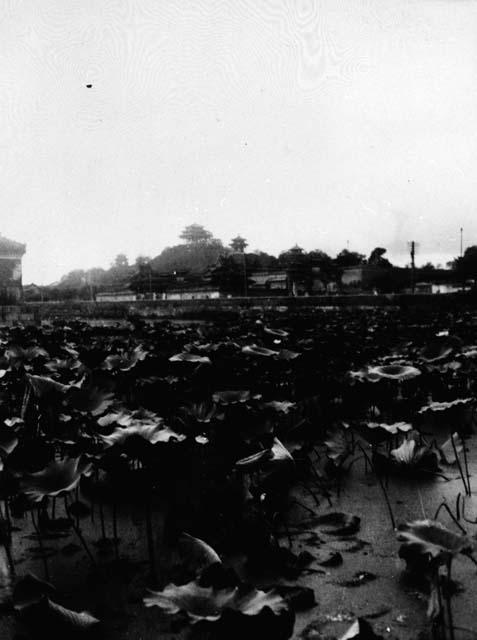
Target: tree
{"x": 376, "y": 258}
{"x": 196, "y": 234}
{"x": 347, "y": 258}
{"x": 121, "y": 261}
{"x": 325, "y": 263}
{"x": 73, "y": 280}
{"x": 141, "y": 261}
{"x": 189, "y": 257}
{"x": 298, "y": 267}
{"x": 238, "y": 244}
{"x": 465, "y": 267}
{"x": 261, "y": 260}
{"x": 230, "y": 276}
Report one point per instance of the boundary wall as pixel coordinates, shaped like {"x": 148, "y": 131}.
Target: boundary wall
{"x": 36, "y": 312}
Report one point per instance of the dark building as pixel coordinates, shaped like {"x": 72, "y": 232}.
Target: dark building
{"x": 11, "y": 254}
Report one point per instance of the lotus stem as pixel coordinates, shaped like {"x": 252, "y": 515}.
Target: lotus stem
{"x": 7, "y": 516}
{"x": 307, "y": 488}
{"x": 466, "y": 465}
{"x": 150, "y": 541}
{"x": 457, "y": 505}
{"x": 443, "y": 505}
{"x": 101, "y": 516}
{"x": 463, "y": 513}
{"x": 441, "y": 633}
{"x": 11, "y": 564}
{"x": 115, "y": 531}
{"x": 40, "y": 543}
{"x": 77, "y": 500}
{"x": 7, "y": 541}
{"x": 287, "y": 530}
{"x": 77, "y": 530}
{"x": 459, "y": 466}
{"x": 303, "y": 506}
{"x": 383, "y": 488}
{"x": 450, "y": 619}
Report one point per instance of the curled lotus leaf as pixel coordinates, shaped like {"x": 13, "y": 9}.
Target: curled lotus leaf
{"x": 431, "y": 538}
{"x": 153, "y": 433}
{"x": 13, "y": 422}
{"x": 398, "y": 372}
{"x": 42, "y": 386}
{"x": 440, "y": 348}
{"x": 124, "y": 361}
{"x": 123, "y": 418}
{"x": 18, "y": 354}
{"x": 470, "y": 353}
{"x": 254, "y": 350}
{"x": 59, "y": 365}
{"x": 207, "y": 603}
{"x": 365, "y": 375}
{"x": 278, "y": 333}
{"x": 202, "y": 412}
{"x": 29, "y": 589}
{"x": 337, "y": 447}
{"x": 268, "y": 459}
{"x": 448, "y": 449}
{"x": 232, "y": 396}
{"x": 56, "y": 620}
{"x": 393, "y": 429}
{"x": 409, "y": 454}
{"x": 286, "y": 354}
{"x": 89, "y": 398}
{"x": 56, "y": 477}
{"x": 8, "y": 440}
{"x": 360, "y": 629}
{"x": 437, "y": 407}
{"x": 196, "y": 553}
{"x": 190, "y": 357}
{"x": 254, "y": 460}
{"x": 282, "y": 406}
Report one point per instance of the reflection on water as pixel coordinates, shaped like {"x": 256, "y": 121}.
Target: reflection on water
{"x": 5, "y": 578}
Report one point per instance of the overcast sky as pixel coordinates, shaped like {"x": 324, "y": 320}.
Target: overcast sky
{"x": 310, "y": 122}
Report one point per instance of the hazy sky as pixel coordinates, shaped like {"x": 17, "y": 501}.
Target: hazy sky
{"x": 309, "y": 122}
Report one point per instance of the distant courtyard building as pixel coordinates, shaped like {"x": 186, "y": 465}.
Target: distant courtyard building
{"x": 269, "y": 282}
{"x": 192, "y": 292}
{"x": 116, "y": 295}
{"x": 363, "y": 277}
{"x": 11, "y": 254}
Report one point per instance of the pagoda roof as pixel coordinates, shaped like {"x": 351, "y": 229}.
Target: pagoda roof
{"x": 11, "y": 247}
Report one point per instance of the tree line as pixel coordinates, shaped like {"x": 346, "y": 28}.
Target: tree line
{"x": 199, "y": 254}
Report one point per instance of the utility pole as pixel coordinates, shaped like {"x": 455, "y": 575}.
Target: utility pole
{"x": 461, "y": 242}
{"x": 245, "y": 286}
{"x": 413, "y": 266}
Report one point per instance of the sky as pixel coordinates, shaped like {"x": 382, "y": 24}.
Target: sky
{"x": 323, "y": 123}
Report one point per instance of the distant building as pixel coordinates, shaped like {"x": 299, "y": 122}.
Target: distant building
{"x": 124, "y": 295}
{"x": 192, "y": 292}
{"x": 11, "y": 254}
{"x": 444, "y": 287}
{"x": 363, "y": 277}
{"x": 266, "y": 282}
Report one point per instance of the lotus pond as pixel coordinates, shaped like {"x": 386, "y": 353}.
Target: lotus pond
{"x": 277, "y": 476}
